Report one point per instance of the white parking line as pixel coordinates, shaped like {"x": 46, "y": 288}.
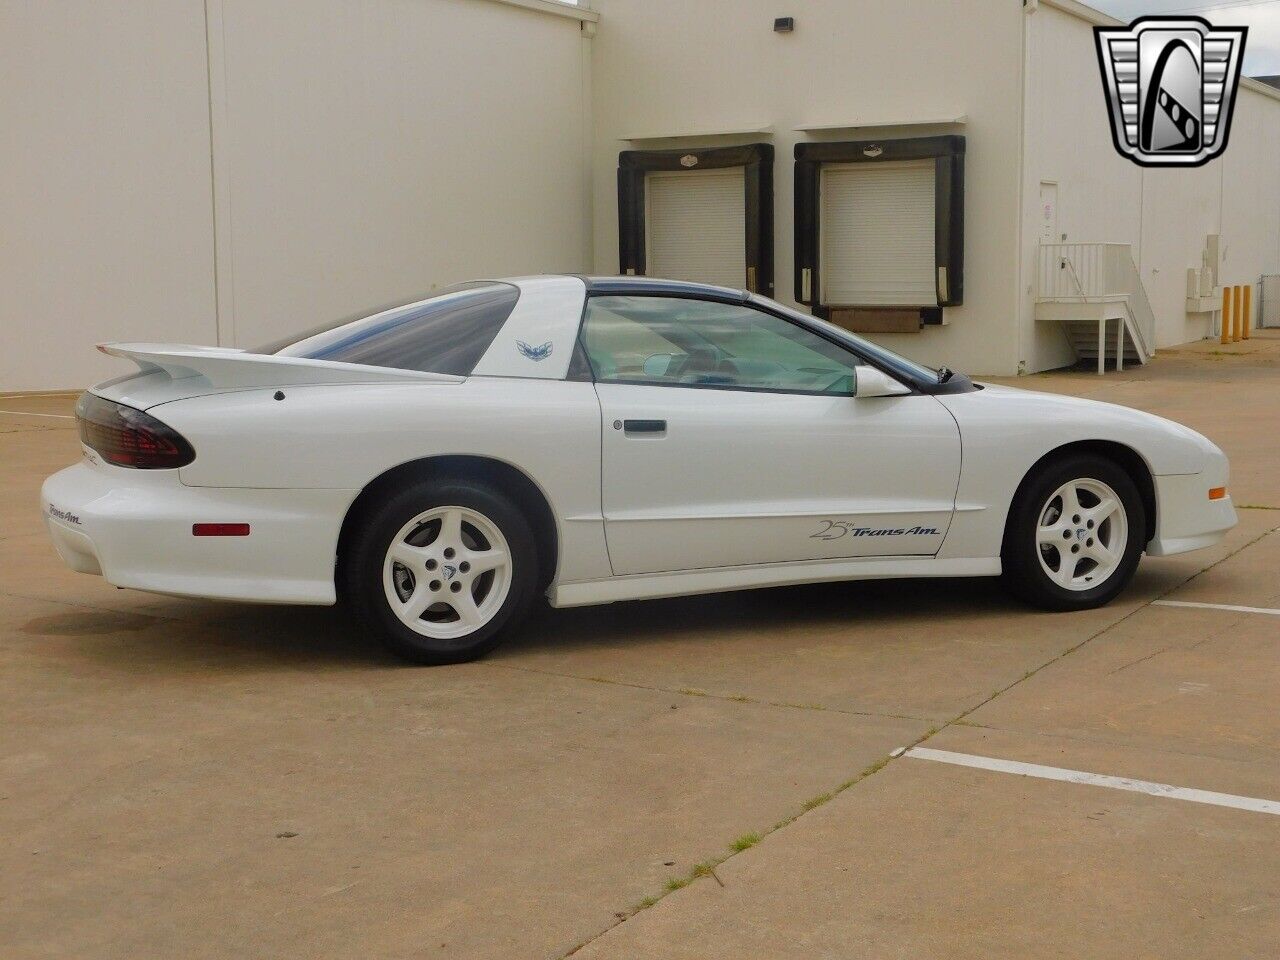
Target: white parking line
{"x": 1217, "y": 606}
{"x": 1097, "y": 780}
{"x": 23, "y": 413}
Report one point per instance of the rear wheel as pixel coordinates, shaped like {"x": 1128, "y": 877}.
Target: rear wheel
{"x": 1075, "y": 534}
{"x": 440, "y": 570}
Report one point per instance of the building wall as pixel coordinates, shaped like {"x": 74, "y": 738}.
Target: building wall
{"x": 1251, "y": 190}
{"x": 376, "y": 149}
{"x": 230, "y": 171}
{"x": 672, "y": 67}
{"x": 104, "y": 184}
{"x": 1102, "y": 197}
{"x": 280, "y": 164}
{"x": 1068, "y": 141}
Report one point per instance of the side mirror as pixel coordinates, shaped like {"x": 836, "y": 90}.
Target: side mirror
{"x": 658, "y": 365}
{"x": 873, "y": 383}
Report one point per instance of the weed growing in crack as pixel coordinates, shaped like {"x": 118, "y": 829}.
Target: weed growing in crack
{"x": 745, "y": 842}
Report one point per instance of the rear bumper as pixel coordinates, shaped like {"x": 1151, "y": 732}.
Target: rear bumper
{"x": 1186, "y": 519}
{"x": 133, "y": 527}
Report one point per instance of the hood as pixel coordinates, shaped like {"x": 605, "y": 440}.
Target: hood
{"x": 1045, "y": 421}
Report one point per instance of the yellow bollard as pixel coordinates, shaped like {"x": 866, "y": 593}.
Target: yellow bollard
{"x": 1246, "y": 319}
{"x": 1226, "y": 314}
{"x": 1239, "y": 315}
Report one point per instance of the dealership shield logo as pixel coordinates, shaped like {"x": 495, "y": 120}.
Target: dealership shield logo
{"x": 1171, "y": 86}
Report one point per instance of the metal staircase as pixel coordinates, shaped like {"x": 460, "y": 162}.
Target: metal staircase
{"x": 1094, "y": 291}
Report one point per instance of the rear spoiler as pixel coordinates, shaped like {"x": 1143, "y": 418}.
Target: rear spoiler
{"x": 229, "y": 368}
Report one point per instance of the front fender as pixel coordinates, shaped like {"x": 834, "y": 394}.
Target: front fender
{"x": 1005, "y": 431}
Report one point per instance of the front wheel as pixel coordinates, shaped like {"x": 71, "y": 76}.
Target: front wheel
{"x": 1075, "y": 534}
{"x": 439, "y": 570}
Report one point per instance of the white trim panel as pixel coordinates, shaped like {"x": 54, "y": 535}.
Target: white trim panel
{"x": 572, "y": 11}
{"x": 538, "y": 338}
{"x": 688, "y": 582}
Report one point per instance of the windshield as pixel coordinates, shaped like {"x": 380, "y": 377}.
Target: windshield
{"x": 446, "y": 333}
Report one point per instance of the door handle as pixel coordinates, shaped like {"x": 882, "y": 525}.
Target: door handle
{"x": 644, "y": 426}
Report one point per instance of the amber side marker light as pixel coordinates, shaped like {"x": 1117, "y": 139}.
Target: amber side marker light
{"x": 1217, "y": 493}
{"x": 219, "y": 529}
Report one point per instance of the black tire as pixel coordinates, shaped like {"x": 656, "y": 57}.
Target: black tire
{"x": 361, "y": 572}
{"x": 1023, "y": 574}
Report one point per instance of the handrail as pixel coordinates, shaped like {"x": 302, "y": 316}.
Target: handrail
{"x": 1144, "y": 317}
{"x": 1096, "y": 271}
{"x": 1076, "y": 277}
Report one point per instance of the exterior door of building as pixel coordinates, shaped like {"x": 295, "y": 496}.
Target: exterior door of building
{"x": 1049, "y": 212}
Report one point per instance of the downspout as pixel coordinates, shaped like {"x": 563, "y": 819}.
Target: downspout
{"x": 588, "y": 28}
{"x": 219, "y": 175}
{"x": 1023, "y": 316}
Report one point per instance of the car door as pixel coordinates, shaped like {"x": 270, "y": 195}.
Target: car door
{"x": 732, "y": 437}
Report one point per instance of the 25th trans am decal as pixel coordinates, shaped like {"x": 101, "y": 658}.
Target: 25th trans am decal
{"x": 835, "y": 529}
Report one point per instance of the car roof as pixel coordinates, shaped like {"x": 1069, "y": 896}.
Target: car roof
{"x": 653, "y": 286}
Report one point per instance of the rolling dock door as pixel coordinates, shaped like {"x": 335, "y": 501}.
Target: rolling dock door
{"x": 698, "y": 215}
{"x": 879, "y": 231}
{"x": 695, "y": 226}
{"x": 878, "y": 234}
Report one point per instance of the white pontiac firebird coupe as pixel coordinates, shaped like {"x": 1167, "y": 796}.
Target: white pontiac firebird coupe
{"x": 441, "y": 463}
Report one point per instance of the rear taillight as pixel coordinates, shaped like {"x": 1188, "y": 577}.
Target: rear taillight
{"x": 127, "y": 437}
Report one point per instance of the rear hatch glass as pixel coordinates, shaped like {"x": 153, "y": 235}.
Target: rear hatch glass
{"x": 446, "y": 333}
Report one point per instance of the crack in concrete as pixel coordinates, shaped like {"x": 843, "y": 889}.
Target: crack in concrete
{"x": 704, "y": 694}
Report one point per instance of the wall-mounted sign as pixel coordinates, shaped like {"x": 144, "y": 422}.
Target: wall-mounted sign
{"x": 688, "y": 160}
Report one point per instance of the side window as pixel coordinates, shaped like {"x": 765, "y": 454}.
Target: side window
{"x": 668, "y": 340}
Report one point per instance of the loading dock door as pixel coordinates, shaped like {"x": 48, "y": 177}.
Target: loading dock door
{"x": 698, "y": 214}
{"x": 695, "y": 224}
{"x": 877, "y": 230}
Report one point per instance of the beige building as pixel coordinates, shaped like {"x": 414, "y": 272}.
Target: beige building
{"x": 939, "y": 174}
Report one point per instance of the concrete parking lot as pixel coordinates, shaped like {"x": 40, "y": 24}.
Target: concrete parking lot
{"x": 696, "y": 778}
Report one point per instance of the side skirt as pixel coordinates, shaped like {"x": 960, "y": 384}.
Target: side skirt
{"x": 686, "y": 582}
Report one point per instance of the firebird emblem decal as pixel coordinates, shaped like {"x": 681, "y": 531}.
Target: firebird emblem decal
{"x": 534, "y": 353}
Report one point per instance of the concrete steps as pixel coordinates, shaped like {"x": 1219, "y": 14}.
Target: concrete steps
{"x": 1083, "y": 336}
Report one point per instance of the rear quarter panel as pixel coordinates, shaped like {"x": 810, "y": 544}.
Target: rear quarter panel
{"x": 346, "y": 436}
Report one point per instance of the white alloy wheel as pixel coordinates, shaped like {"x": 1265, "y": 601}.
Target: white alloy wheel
{"x": 447, "y": 572}
{"x": 1081, "y": 534}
